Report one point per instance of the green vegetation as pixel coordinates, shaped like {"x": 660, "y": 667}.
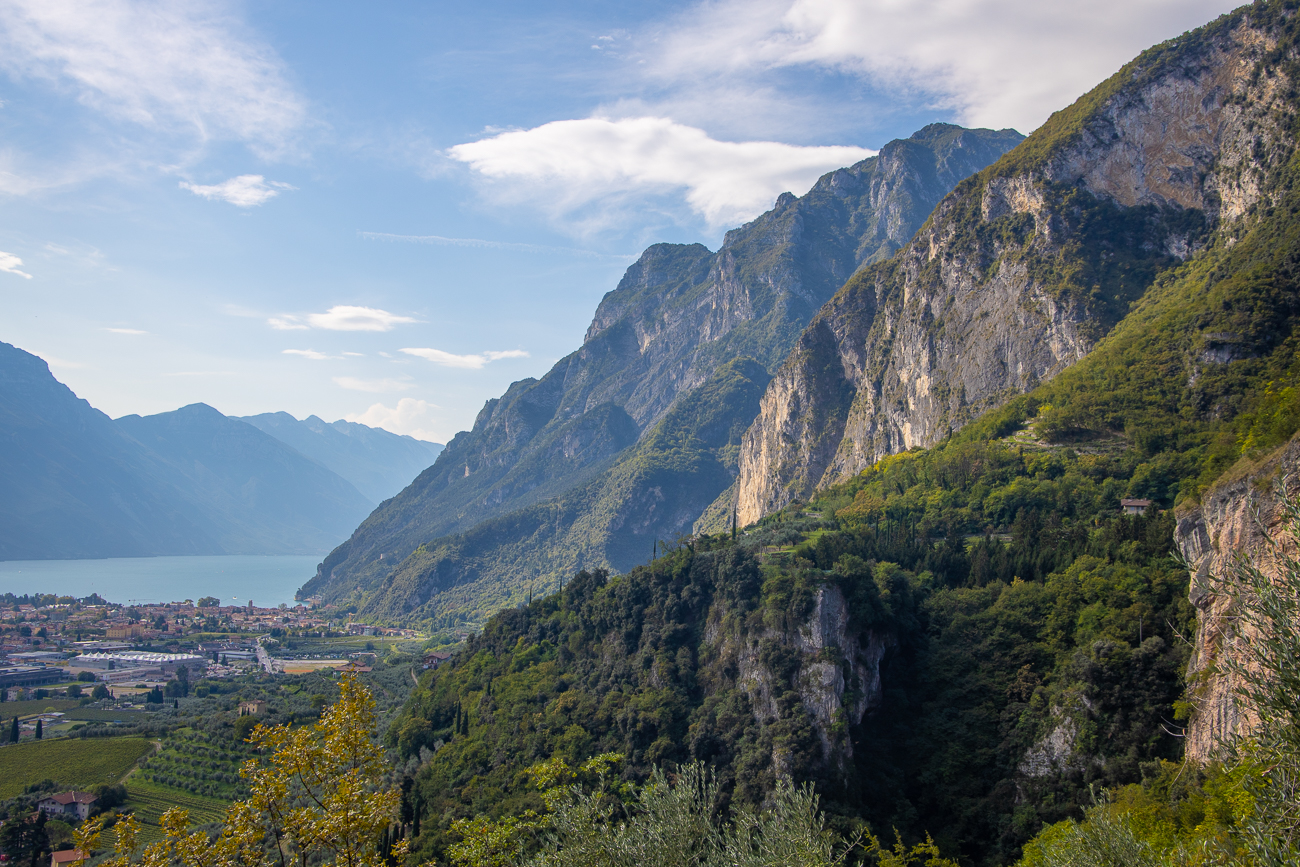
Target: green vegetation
{"x": 148, "y": 801}
{"x": 1238, "y": 811}
{"x": 72, "y": 763}
{"x": 686, "y": 460}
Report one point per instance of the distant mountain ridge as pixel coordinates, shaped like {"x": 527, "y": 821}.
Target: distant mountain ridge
{"x": 679, "y": 315}
{"x": 76, "y": 484}
{"x": 378, "y": 463}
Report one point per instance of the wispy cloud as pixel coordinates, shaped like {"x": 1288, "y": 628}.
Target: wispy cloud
{"x": 341, "y": 317}
{"x": 9, "y": 264}
{"x": 201, "y": 373}
{"x": 168, "y": 66}
{"x": 410, "y": 417}
{"x": 567, "y": 164}
{"x": 376, "y": 386}
{"x": 244, "y": 191}
{"x": 441, "y": 241}
{"x": 471, "y": 362}
{"x": 312, "y": 354}
{"x": 126, "y": 331}
{"x": 993, "y": 63}
{"x": 62, "y": 363}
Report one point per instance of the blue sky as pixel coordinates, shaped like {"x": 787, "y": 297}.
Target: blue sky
{"x": 390, "y": 211}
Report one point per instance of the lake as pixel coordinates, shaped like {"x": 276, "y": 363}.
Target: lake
{"x": 235, "y": 579}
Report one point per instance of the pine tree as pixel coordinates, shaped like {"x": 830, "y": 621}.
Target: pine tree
{"x": 38, "y": 729}
{"x": 13, "y": 732}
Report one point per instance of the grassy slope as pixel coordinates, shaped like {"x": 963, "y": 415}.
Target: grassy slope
{"x": 76, "y": 764}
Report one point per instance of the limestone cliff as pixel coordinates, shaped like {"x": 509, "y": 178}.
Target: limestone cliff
{"x": 1240, "y": 517}
{"x": 1024, "y": 267}
{"x": 677, "y": 316}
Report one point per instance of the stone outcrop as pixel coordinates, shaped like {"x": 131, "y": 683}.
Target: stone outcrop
{"x": 1240, "y": 517}
{"x": 1013, "y": 278}
{"x": 679, "y": 313}
{"x": 837, "y": 677}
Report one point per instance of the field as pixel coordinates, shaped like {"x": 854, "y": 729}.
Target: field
{"x": 97, "y": 715}
{"x": 149, "y": 801}
{"x": 27, "y": 708}
{"x": 76, "y": 763}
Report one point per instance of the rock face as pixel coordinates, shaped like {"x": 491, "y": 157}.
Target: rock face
{"x": 837, "y": 674}
{"x": 1239, "y": 517}
{"x": 678, "y": 314}
{"x": 1023, "y": 268}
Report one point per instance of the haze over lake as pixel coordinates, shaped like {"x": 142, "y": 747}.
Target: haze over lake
{"x": 267, "y": 580}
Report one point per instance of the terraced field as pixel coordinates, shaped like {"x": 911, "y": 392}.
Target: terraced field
{"x": 71, "y": 763}
{"x": 149, "y": 801}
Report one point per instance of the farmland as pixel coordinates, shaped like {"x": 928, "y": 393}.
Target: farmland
{"x": 149, "y": 801}
{"x": 72, "y": 763}
{"x": 27, "y": 708}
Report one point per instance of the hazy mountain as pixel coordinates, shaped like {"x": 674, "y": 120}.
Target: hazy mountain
{"x": 76, "y": 484}
{"x": 263, "y": 496}
{"x": 73, "y": 484}
{"x": 677, "y": 317}
{"x": 378, "y": 463}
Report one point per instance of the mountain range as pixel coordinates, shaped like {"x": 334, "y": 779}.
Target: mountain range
{"x": 950, "y": 605}
{"x": 629, "y": 440}
{"x": 78, "y": 484}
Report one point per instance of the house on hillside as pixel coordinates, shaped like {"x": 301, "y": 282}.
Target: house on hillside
{"x": 252, "y": 708}
{"x": 1134, "y": 507}
{"x": 68, "y": 858}
{"x": 433, "y": 660}
{"x": 67, "y": 805}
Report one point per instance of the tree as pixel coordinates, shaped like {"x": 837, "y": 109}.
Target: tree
{"x": 38, "y": 728}
{"x": 14, "y": 734}
{"x": 23, "y": 839}
{"x": 315, "y": 799}
{"x": 74, "y": 690}
{"x": 86, "y": 677}
{"x": 100, "y": 692}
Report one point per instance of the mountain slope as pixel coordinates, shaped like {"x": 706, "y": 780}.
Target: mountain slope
{"x": 261, "y": 495}
{"x": 74, "y": 485}
{"x": 678, "y": 314}
{"x": 1025, "y": 266}
{"x": 376, "y": 462}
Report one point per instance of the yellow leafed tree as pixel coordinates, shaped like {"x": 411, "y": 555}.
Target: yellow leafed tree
{"x": 315, "y": 799}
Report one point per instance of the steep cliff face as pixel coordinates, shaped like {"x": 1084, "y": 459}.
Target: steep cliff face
{"x": 679, "y": 313}
{"x": 1024, "y": 267}
{"x": 1240, "y": 518}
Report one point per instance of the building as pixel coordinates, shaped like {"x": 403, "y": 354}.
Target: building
{"x": 29, "y": 675}
{"x": 68, "y": 858}
{"x": 167, "y": 663}
{"x": 75, "y": 805}
{"x": 252, "y": 708}
{"x": 1134, "y": 507}
{"x": 433, "y": 660}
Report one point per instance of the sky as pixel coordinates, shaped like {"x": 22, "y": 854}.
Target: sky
{"x": 388, "y": 212}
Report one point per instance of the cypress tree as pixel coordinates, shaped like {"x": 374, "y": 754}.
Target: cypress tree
{"x": 13, "y": 732}
{"x": 38, "y": 729}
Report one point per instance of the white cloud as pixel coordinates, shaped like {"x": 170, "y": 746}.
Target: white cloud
{"x": 311, "y": 353}
{"x": 410, "y": 417}
{"x": 377, "y": 386}
{"x": 9, "y": 264}
{"x": 471, "y": 362}
{"x": 244, "y": 191}
{"x": 994, "y": 63}
{"x": 168, "y": 65}
{"x": 341, "y": 317}
{"x": 126, "y": 331}
{"x": 571, "y": 163}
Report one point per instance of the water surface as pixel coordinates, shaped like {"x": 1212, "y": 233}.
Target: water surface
{"x": 237, "y": 579}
